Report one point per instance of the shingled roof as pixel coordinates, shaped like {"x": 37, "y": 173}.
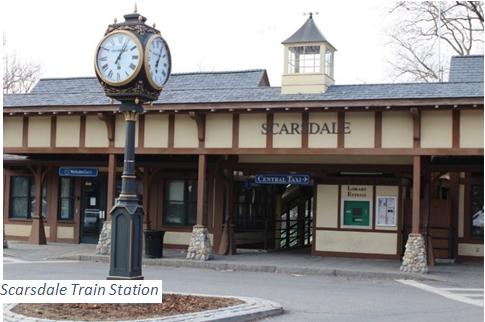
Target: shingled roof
{"x": 309, "y": 32}
{"x": 466, "y": 69}
{"x": 254, "y": 94}
{"x": 180, "y": 81}
{"x": 252, "y": 86}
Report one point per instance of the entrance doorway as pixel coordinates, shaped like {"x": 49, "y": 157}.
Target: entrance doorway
{"x": 273, "y": 217}
{"x": 93, "y": 208}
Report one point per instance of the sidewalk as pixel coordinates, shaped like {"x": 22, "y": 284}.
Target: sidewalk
{"x": 289, "y": 262}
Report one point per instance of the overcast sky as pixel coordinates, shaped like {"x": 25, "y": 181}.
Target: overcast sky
{"x": 207, "y": 35}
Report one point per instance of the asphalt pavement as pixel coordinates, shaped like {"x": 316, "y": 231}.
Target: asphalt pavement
{"x": 305, "y": 297}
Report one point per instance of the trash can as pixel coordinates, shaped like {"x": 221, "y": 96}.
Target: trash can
{"x": 154, "y": 243}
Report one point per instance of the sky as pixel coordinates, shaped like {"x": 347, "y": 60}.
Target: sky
{"x": 208, "y": 35}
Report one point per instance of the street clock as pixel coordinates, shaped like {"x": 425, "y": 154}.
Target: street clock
{"x": 132, "y": 61}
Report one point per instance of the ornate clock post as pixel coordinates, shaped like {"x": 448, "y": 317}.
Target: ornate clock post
{"x": 132, "y": 63}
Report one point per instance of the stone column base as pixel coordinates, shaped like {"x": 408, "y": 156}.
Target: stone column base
{"x": 5, "y": 242}
{"x": 415, "y": 260}
{"x": 200, "y": 246}
{"x": 104, "y": 242}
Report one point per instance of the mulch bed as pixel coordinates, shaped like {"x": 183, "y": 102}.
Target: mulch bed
{"x": 172, "y": 304}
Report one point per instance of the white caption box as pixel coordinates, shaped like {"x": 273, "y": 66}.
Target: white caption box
{"x": 81, "y": 291}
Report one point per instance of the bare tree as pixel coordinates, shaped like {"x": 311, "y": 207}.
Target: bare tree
{"x": 18, "y": 76}
{"x": 425, "y": 33}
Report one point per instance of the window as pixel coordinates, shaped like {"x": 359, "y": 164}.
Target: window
{"x": 476, "y": 207}
{"x": 329, "y": 63}
{"x": 22, "y": 197}
{"x": 304, "y": 59}
{"x": 180, "y": 202}
{"x": 66, "y": 198}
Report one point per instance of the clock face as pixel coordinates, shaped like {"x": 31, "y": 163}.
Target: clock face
{"x": 157, "y": 61}
{"x": 118, "y": 58}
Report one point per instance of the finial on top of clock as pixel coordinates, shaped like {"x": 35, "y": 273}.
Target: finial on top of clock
{"x": 136, "y": 9}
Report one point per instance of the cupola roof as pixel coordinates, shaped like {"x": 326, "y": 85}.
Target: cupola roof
{"x": 309, "y": 32}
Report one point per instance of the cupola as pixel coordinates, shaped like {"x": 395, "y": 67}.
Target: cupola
{"x": 308, "y": 61}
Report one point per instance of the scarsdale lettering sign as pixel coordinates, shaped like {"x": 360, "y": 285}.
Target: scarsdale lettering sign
{"x": 298, "y": 128}
{"x": 81, "y": 291}
{"x": 296, "y": 179}
{"x": 78, "y": 172}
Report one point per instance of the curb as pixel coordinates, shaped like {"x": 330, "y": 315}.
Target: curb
{"x": 254, "y": 309}
{"x": 243, "y": 267}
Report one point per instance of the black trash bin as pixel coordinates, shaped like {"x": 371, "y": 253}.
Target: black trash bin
{"x": 154, "y": 243}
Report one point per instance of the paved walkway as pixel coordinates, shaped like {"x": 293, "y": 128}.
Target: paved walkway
{"x": 298, "y": 262}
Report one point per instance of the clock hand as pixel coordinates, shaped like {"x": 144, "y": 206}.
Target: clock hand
{"x": 122, "y": 51}
{"x": 159, "y": 56}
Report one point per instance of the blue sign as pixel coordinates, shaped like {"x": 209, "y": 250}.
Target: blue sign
{"x": 297, "y": 179}
{"x": 78, "y": 172}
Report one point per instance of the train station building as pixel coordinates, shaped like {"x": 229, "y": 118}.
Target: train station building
{"x": 343, "y": 170}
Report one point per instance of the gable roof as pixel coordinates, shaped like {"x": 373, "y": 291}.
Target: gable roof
{"x": 180, "y": 81}
{"x": 70, "y": 95}
{"x": 466, "y": 69}
{"x": 309, "y": 32}
{"x": 466, "y": 81}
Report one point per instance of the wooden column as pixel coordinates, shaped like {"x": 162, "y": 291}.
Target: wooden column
{"x": 416, "y": 194}
{"x": 111, "y": 189}
{"x": 37, "y": 234}
{"x": 231, "y": 214}
{"x": 455, "y": 200}
{"x": 52, "y": 205}
{"x": 201, "y": 189}
{"x": 146, "y": 201}
{"x": 218, "y": 208}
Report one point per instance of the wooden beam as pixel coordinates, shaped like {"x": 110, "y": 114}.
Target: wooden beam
{"x": 82, "y": 132}
{"x": 146, "y": 200}
{"x": 416, "y": 127}
{"x": 171, "y": 130}
{"x": 258, "y": 151}
{"x": 110, "y": 122}
{"x": 37, "y": 233}
{"x": 53, "y": 131}
{"x": 111, "y": 189}
{"x": 200, "y": 120}
{"x": 340, "y": 129}
{"x": 456, "y": 128}
{"x": 141, "y": 131}
{"x": 235, "y": 130}
{"x": 304, "y": 131}
{"x": 201, "y": 189}
{"x": 416, "y": 215}
{"x": 372, "y": 104}
{"x": 378, "y": 130}
{"x": 269, "y": 132}
{"x": 25, "y": 131}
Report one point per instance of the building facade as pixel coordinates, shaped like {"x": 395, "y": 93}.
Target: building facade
{"x": 345, "y": 170}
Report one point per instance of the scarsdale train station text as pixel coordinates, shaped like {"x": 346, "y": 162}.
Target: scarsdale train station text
{"x": 75, "y": 289}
